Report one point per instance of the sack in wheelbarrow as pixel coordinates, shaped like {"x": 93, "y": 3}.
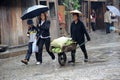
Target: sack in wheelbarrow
{"x": 62, "y": 44}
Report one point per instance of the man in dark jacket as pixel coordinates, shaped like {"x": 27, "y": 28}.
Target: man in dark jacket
{"x": 78, "y": 32}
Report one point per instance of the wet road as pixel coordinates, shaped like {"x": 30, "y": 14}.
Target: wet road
{"x": 104, "y": 63}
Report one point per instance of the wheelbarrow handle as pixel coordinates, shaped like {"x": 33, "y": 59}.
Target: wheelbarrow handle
{"x": 82, "y": 44}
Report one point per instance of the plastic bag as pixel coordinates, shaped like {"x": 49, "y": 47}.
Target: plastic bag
{"x": 34, "y": 46}
{"x": 112, "y": 28}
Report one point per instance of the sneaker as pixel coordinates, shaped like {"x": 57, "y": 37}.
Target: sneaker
{"x": 38, "y": 63}
{"x": 25, "y": 61}
{"x": 119, "y": 33}
{"x": 54, "y": 60}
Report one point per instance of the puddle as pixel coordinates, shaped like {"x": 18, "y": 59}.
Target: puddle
{"x": 98, "y": 61}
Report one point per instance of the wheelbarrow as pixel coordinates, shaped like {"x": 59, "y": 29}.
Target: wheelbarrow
{"x": 62, "y": 58}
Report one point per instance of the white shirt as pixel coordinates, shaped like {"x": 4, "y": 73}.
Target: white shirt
{"x": 42, "y": 22}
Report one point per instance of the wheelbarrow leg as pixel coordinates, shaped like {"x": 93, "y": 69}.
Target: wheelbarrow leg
{"x": 72, "y": 57}
{"x": 62, "y": 58}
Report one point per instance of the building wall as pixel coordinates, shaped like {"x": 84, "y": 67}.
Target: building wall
{"x": 12, "y": 28}
{"x": 116, "y": 3}
{"x": 100, "y": 11}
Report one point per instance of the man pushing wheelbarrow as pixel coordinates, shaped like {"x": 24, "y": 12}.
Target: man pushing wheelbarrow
{"x": 64, "y": 44}
{"x": 78, "y": 33}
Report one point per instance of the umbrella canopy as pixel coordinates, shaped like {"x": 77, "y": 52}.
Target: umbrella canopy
{"x": 114, "y": 10}
{"x": 76, "y": 11}
{"x": 34, "y": 11}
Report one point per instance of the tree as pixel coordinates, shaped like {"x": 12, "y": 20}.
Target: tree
{"x": 75, "y": 4}
{"x": 72, "y": 4}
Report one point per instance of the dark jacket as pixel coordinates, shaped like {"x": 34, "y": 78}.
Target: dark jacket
{"x": 44, "y": 29}
{"x": 78, "y": 32}
{"x": 32, "y": 29}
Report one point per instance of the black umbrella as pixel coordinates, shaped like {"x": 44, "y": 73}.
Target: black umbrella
{"x": 34, "y": 11}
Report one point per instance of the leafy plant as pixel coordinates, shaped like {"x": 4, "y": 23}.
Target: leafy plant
{"x": 75, "y": 4}
{"x": 71, "y": 4}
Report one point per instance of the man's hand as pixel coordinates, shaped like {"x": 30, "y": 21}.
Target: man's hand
{"x": 89, "y": 39}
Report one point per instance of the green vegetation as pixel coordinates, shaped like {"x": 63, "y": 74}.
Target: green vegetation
{"x": 72, "y": 4}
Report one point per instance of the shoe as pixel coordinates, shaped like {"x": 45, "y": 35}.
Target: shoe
{"x": 25, "y": 61}
{"x": 54, "y": 60}
{"x": 86, "y": 60}
{"x": 71, "y": 61}
{"x": 38, "y": 63}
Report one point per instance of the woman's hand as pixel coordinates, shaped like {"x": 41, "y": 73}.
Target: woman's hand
{"x": 36, "y": 38}
{"x": 28, "y": 35}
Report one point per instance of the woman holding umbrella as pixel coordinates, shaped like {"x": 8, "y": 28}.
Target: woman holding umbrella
{"x": 43, "y": 36}
{"x": 43, "y": 33}
{"x": 78, "y": 33}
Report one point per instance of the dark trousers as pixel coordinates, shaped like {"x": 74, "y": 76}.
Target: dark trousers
{"x": 29, "y": 52}
{"x": 107, "y": 25}
{"x": 41, "y": 43}
{"x": 93, "y": 25}
{"x": 83, "y": 48}
{"x": 112, "y": 24}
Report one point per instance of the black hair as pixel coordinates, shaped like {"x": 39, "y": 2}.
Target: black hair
{"x": 107, "y": 9}
{"x": 29, "y": 22}
{"x": 76, "y": 14}
{"x": 44, "y": 15}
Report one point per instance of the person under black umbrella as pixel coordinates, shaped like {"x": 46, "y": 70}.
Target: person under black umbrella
{"x": 32, "y": 30}
{"x": 107, "y": 20}
{"x": 78, "y": 32}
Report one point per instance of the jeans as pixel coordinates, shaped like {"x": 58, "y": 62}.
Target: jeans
{"x": 29, "y": 52}
{"x": 107, "y": 25}
{"x": 41, "y": 43}
{"x": 93, "y": 25}
{"x": 83, "y": 48}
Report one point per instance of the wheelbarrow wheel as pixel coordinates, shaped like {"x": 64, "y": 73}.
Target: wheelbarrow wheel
{"x": 62, "y": 59}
